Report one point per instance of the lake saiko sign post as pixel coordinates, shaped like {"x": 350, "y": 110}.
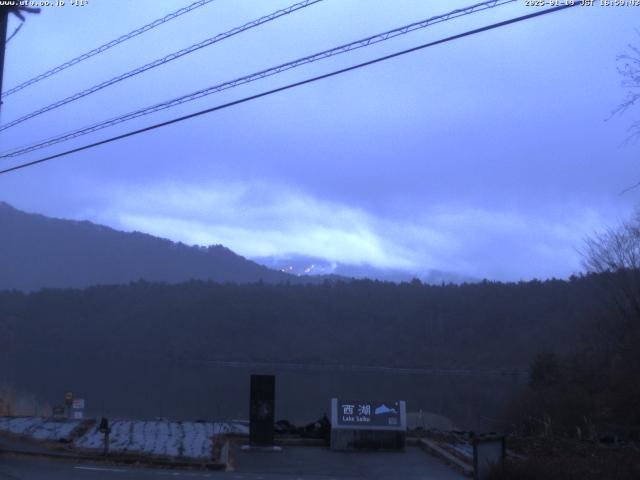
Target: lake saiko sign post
{"x": 363, "y": 424}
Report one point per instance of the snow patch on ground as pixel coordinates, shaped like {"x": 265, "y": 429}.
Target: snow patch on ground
{"x": 192, "y": 440}
{"x": 40, "y": 428}
{"x": 465, "y": 449}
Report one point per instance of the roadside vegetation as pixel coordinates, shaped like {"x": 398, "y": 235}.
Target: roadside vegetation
{"x": 579, "y": 416}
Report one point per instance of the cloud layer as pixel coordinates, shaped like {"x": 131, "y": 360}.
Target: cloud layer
{"x": 258, "y": 219}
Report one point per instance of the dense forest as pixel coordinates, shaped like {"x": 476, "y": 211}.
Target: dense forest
{"x": 578, "y": 418}
{"x": 489, "y": 325}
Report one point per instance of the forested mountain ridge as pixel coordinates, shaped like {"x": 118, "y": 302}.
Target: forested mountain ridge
{"x": 494, "y": 325}
{"x": 267, "y": 315}
{"x": 38, "y": 251}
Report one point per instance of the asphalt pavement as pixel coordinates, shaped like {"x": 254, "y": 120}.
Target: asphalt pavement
{"x": 293, "y": 463}
{"x": 312, "y": 463}
{"x": 40, "y": 469}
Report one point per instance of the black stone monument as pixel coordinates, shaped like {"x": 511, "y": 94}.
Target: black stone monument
{"x": 262, "y": 410}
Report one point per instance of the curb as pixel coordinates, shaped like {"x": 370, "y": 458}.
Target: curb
{"x": 434, "y": 449}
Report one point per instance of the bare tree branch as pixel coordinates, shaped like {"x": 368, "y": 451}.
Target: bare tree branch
{"x": 629, "y": 70}
{"x": 615, "y": 254}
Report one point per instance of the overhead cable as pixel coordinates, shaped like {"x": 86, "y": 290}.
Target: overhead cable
{"x": 162, "y": 61}
{"x": 365, "y": 42}
{"x": 291, "y": 85}
{"x": 106, "y": 46}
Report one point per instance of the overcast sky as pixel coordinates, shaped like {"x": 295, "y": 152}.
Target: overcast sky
{"x": 488, "y": 156}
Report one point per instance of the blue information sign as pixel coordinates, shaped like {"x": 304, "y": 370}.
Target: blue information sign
{"x": 366, "y": 413}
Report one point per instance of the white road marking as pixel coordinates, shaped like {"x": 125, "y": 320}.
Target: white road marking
{"x": 100, "y": 469}
{"x": 184, "y": 474}
{"x": 120, "y": 470}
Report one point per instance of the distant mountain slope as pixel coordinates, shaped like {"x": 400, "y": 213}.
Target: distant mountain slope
{"x": 38, "y": 251}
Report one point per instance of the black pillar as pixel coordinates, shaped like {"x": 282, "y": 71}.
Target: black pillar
{"x": 4, "y": 20}
{"x": 262, "y": 409}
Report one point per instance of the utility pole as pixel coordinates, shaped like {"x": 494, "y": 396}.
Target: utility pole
{"x": 4, "y": 21}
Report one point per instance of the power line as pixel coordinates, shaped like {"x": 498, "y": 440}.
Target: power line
{"x": 162, "y": 61}
{"x": 107, "y": 46}
{"x": 292, "y": 85}
{"x": 365, "y": 42}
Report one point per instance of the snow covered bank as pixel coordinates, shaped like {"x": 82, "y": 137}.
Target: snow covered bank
{"x": 40, "y": 428}
{"x": 193, "y": 440}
